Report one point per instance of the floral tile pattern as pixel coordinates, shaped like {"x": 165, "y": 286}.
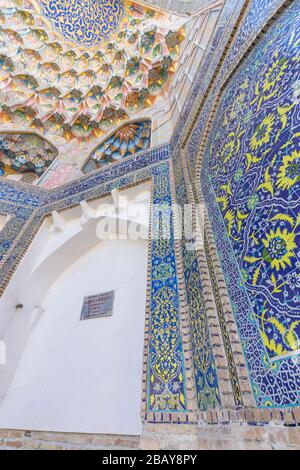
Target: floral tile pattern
{"x": 166, "y": 377}
{"x": 250, "y": 181}
{"x": 84, "y": 22}
{"x": 251, "y": 184}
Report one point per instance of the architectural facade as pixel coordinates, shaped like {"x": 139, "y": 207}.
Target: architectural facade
{"x": 188, "y": 112}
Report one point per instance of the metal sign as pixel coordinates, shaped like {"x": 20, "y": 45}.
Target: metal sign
{"x": 99, "y": 305}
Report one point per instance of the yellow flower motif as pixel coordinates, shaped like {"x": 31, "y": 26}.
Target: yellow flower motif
{"x": 289, "y": 172}
{"x": 228, "y": 151}
{"x": 278, "y": 248}
{"x": 262, "y": 132}
{"x": 238, "y": 106}
{"x": 266, "y": 88}
{"x": 274, "y": 73}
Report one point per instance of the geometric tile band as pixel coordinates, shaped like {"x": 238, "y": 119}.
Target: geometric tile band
{"x": 206, "y": 381}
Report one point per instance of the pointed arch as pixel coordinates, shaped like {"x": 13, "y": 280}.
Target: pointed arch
{"x": 25, "y": 153}
{"x": 126, "y": 140}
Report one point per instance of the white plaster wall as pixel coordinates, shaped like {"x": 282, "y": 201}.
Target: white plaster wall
{"x": 85, "y": 376}
{"x": 3, "y": 220}
{"x": 16, "y": 324}
{"x": 199, "y": 30}
{"x": 60, "y": 373}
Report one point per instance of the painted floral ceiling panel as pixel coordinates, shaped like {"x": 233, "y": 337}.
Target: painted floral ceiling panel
{"x": 79, "y": 91}
{"x": 86, "y": 22}
{"x": 25, "y": 153}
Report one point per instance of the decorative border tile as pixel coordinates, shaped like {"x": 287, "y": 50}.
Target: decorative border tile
{"x": 266, "y": 378}
{"x": 204, "y": 369}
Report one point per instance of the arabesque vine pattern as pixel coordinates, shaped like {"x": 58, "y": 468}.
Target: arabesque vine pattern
{"x": 251, "y": 169}
{"x": 255, "y": 171}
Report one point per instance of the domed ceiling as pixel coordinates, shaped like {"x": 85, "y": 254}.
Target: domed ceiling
{"x": 85, "y": 22}
{"x": 75, "y": 68}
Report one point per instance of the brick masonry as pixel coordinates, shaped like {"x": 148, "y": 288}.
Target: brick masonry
{"x": 264, "y": 429}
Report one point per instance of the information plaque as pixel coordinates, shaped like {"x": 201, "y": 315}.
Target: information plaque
{"x": 99, "y": 305}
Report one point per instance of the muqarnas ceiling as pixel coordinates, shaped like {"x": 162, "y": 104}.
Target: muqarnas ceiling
{"x": 25, "y": 153}
{"x": 126, "y": 141}
{"x": 72, "y": 91}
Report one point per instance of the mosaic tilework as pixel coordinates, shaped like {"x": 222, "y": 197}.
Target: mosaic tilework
{"x": 14, "y": 237}
{"x": 129, "y": 139}
{"x": 204, "y": 367}
{"x": 22, "y": 201}
{"x": 121, "y": 169}
{"x": 166, "y": 381}
{"x": 85, "y": 22}
{"x": 257, "y": 185}
{"x": 257, "y": 14}
{"x": 226, "y": 339}
{"x": 23, "y": 153}
{"x": 12, "y": 228}
{"x": 29, "y": 196}
{"x": 254, "y": 194}
{"x": 180, "y": 6}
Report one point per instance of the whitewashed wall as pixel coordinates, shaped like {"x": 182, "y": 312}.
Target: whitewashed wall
{"x": 63, "y": 374}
